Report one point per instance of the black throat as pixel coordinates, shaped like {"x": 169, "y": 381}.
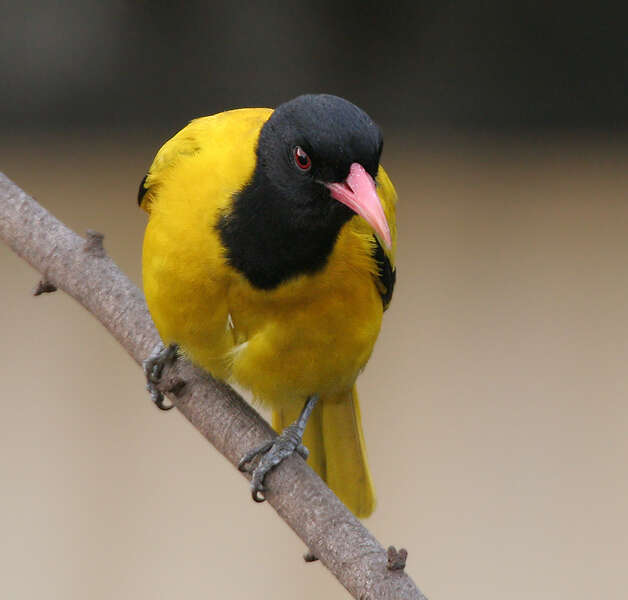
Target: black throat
{"x": 269, "y": 243}
{"x": 284, "y": 222}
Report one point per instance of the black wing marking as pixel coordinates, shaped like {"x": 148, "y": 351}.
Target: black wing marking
{"x": 387, "y": 275}
{"x": 142, "y": 191}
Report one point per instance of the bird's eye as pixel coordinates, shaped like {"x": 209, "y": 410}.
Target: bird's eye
{"x": 301, "y": 159}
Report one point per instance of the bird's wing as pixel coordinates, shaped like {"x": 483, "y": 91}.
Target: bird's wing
{"x": 385, "y": 258}
{"x": 224, "y": 142}
{"x": 191, "y": 182}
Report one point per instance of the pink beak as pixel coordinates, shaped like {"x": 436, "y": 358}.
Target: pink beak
{"x": 358, "y": 192}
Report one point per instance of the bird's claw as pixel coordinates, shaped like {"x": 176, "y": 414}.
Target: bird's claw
{"x": 153, "y": 369}
{"x": 158, "y": 398}
{"x": 271, "y": 454}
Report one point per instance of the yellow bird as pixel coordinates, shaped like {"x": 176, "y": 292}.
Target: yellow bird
{"x": 268, "y": 260}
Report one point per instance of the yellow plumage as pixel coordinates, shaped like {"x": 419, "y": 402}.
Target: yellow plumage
{"x": 310, "y": 335}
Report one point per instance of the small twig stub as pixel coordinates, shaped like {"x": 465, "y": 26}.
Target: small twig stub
{"x": 310, "y": 557}
{"x": 44, "y": 287}
{"x": 397, "y": 559}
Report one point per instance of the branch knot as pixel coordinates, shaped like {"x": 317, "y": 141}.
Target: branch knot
{"x": 94, "y": 244}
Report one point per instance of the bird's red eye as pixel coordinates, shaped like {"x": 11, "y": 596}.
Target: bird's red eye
{"x": 302, "y": 159}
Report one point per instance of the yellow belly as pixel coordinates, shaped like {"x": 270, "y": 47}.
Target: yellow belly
{"x": 316, "y": 343}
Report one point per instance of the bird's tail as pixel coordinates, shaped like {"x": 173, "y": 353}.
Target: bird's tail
{"x": 337, "y": 452}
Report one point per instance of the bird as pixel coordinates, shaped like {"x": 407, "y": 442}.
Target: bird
{"x": 268, "y": 261}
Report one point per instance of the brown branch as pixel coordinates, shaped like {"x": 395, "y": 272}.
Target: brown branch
{"x": 81, "y": 268}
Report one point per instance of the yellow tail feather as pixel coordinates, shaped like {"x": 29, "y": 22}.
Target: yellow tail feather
{"x": 337, "y": 452}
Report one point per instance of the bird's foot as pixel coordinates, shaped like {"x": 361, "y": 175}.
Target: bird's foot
{"x": 272, "y": 453}
{"x": 153, "y": 368}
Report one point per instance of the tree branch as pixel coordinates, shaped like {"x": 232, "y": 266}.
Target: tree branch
{"x": 81, "y": 268}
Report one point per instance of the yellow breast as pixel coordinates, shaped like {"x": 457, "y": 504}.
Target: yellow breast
{"x": 311, "y": 335}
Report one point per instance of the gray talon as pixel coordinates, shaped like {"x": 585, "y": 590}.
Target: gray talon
{"x": 303, "y": 451}
{"x": 272, "y": 453}
{"x": 153, "y": 368}
{"x": 249, "y": 456}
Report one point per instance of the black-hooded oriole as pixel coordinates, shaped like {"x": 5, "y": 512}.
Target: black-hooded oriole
{"x": 268, "y": 260}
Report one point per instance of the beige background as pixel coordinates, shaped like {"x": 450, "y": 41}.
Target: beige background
{"x": 495, "y": 405}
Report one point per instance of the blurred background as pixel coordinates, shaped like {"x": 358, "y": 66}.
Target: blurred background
{"x": 495, "y": 404}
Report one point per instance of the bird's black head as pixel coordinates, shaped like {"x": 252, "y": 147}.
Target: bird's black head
{"x": 317, "y": 158}
{"x": 331, "y": 131}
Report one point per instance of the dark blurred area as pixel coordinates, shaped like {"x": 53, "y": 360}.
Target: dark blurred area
{"x": 494, "y": 66}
